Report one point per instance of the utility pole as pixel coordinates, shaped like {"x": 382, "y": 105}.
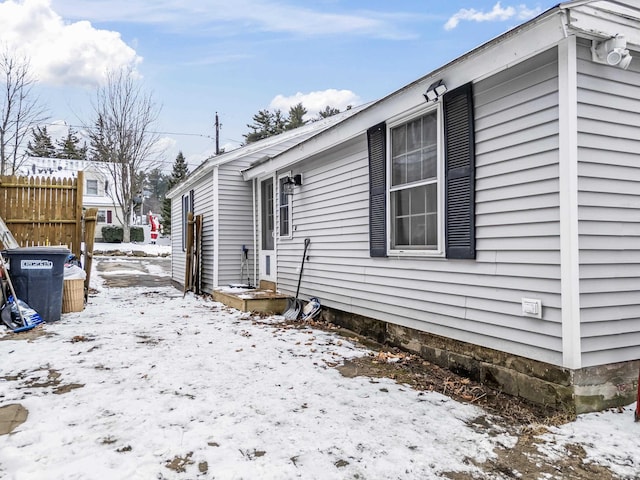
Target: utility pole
{"x": 217, "y": 135}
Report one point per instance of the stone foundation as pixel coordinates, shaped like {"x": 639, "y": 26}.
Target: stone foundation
{"x": 579, "y": 391}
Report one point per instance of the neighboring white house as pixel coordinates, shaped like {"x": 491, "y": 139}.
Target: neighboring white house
{"x": 487, "y": 215}
{"x": 97, "y": 188}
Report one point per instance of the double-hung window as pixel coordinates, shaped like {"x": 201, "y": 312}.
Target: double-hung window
{"x": 422, "y": 181}
{"x": 413, "y": 190}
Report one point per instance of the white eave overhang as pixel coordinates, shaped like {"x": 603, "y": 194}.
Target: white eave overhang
{"x": 602, "y": 19}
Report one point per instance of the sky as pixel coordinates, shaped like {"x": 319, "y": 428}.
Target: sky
{"x": 199, "y": 57}
{"x": 188, "y": 383}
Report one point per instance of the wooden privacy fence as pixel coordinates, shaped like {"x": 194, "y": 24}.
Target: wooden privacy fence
{"x": 43, "y": 211}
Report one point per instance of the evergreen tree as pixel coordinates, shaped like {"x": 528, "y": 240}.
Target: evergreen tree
{"x": 41, "y": 144}
{"x": 180, "y": 172}
{"x": 296, "y": 116}
{"x": 262, "y": 126}
{"x": 328, "y": 112}
{"x": 157, "y": 186}
{"x": 69, "y": 147}
{"x": 266, "y": 123}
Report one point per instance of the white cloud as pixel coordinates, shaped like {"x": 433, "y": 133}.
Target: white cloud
{"x": 314, "y": 102}
{"x": 497, "y": 13}
{"x": 223, "y": 16}
{"x": 61, "y": 53}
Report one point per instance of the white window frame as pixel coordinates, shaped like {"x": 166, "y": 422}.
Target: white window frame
{"x": 186, "y": 207}
{"x": 281, "y": 207}
{"x": 407, "y": 117}
{"x": 93, "y": 181}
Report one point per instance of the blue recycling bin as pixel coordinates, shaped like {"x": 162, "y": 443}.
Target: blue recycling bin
{"x": 37, "y": 274}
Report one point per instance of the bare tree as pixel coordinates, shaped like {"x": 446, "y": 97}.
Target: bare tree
{"x": 122, "y": 137}
{"x": 19, "y": 109}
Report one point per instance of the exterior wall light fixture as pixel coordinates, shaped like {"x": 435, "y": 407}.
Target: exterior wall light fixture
{"x": 611, "y": 52}
{"x": 435, "y": 90}
{"x": 289, "y": 183}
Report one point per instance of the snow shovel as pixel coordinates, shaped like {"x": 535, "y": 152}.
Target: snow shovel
{"x": 311, "y": 310}
{"x": 294, "y": 306}
{"x": 16, "y": 314}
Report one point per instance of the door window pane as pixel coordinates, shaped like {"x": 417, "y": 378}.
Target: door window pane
{"x": 267, "y": 214}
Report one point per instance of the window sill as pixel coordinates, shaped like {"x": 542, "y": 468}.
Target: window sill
{"x": 416, "y": 253}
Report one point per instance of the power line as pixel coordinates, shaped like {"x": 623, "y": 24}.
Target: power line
{"x": 84, "y": 127}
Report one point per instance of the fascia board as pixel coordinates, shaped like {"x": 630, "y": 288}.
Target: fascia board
{"x": 601, "y": 23}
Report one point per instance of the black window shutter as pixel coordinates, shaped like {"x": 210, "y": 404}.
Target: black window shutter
{"x": 459, "y": 173}
{"x": 376, "y": 137}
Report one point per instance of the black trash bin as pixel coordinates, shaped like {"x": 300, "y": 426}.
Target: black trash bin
{"x": 37, "y": 274}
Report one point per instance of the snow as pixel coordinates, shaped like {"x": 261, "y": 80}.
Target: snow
{"x": 608, "y": 439}
{"x": 161, "y": 378}
{"x": 129, "y": 248}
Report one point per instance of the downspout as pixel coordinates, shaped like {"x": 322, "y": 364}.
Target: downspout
{"x": 255, "y": 235}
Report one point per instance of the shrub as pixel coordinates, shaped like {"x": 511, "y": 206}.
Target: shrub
{"x": 112, "y": 234}
{"x": 137, "y": 234}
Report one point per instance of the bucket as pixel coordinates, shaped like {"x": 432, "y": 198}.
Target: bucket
{"x": 73, "y": 296}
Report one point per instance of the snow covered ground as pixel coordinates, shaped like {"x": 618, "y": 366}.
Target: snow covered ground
{"x": 146, "y": 384}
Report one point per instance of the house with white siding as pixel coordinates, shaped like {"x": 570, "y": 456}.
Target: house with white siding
{"x": 97, "y": 191}
{"x": 217, "y": 191}
{"x": 487, "y": 215}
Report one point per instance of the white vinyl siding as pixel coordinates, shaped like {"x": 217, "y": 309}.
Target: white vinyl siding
{"x": 235, "y": 227}
{"x": 477, "y": 301}
{"x": 609, "y": 209}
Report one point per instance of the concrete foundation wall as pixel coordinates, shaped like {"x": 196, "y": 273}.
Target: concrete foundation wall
{"x": 580, "y": 391}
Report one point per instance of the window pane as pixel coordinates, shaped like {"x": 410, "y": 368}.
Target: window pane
{"x": 414, "y": 168}
{"x": 403, "y": 202}
{"x": 402, "y": 231}
{"x": 399, "y": 170}
{"x": 432, "y": 230}
{"x": 418, "y": 200}
{"x": 284, "y": 222}
{"x": 398, "y": 141}
{"x": 418, "y": 230}
{"x": 430, "y": 163}
{"x": 429, "y": 130}
{"x": 414, "y": 135}
{"x": 432, "y": 198}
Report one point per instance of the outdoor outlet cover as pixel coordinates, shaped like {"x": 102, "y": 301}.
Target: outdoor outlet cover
{"x": 532, "y": 307}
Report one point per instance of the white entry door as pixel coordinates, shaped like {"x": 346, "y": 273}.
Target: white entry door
{"x": 267, "y": 231}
